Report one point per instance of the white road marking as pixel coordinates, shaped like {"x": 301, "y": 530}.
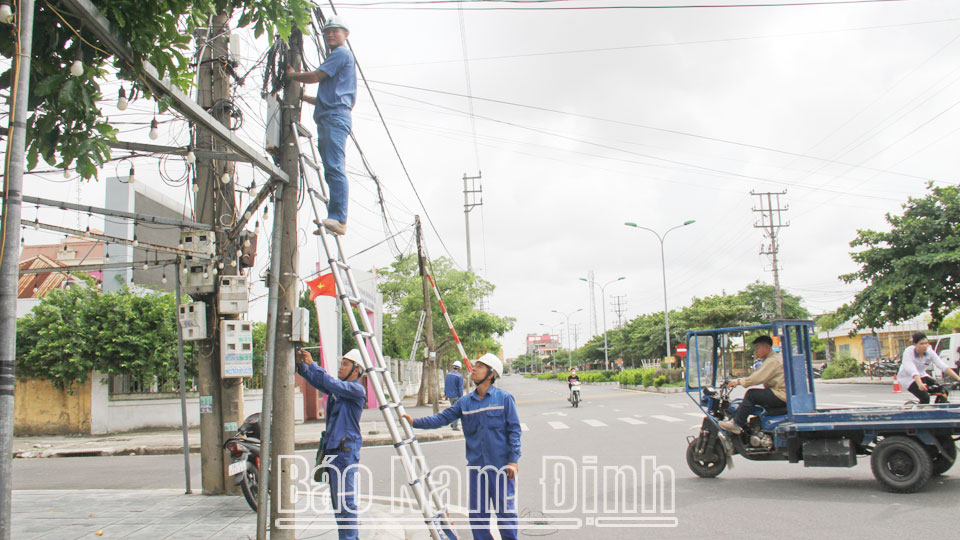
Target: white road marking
{"x": 524, "y": 427}
{"x": 698, "y": 415}
{"x": 631, "y": 421}
{"x": 558, "y": 425}
{"x": 676, "y": 405}
{"x": 594, "y": 423}
{"x": 666, "y": 418}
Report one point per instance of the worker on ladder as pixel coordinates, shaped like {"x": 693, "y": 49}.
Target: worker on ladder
{"x": 453, "y": 387}
{"x": 341, "y": 442}
{"x": 337, "y": 76}
{"x": 491, "y": 430}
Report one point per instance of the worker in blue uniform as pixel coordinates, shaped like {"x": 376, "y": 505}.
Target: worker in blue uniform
{"x": 491, "y": 429}
{"x": 346, "y": 397}
{"x": 453, "y": 387}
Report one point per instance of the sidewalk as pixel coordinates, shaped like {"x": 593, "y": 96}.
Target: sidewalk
{"x": 170, "y": 514}
{"x": 372, "y": 426}
{"x": 859, "y": 380}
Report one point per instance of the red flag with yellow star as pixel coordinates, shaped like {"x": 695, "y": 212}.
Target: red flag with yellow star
{"x": 322, "y": 286}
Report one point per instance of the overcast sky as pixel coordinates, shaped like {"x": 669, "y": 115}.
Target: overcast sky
{"x": 650, "y": 116}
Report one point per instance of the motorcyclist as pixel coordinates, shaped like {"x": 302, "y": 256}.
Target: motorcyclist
{"x": 570, "y": 380}
{"x": 913, "y": 367}
{"x": 770, "y": 375}
{"x": 346, "y": 399}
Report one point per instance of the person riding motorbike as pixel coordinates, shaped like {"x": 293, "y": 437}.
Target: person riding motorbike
{"x": 570, "y": 380}
{"x": 770, "y": 375}
{"x": 913, "y": 367}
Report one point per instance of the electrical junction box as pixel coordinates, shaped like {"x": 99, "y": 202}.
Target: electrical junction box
{"x": 273, "y": 124}
{"x": 193, "y": 321}
{"x": 198, "y": 275}
{"x": 236, "y": 349}
{"x": 234, "y": 294}
{"x": 301, "y": 325}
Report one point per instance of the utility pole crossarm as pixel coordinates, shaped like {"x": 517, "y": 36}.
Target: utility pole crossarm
{"x": 99, "y": 25}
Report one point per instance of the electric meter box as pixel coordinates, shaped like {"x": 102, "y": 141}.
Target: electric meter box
{"x": 301, "y": 325}
{"x": 193, "y": 321}
{"x": 198, "y": 271}
{"x": 274, "y": 129}
{"x": 234, "y": 294}
{"x": 236, "y": 349}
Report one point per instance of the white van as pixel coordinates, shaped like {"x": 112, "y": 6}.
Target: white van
{"x": 948, "y": 349}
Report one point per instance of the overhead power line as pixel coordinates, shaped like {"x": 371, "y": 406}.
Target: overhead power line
{"x": 651, "y": 128}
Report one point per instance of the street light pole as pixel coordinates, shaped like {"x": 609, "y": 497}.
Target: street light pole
{"x": 603, "y": 295}
{"x": 663, "y": 270}
{"x": 569, "y": 352}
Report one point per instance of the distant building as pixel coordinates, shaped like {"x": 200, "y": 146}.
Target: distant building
{"x": 542, "y": 345}
{"x": 70, "y": 251}
{"x": 866, "y": 344}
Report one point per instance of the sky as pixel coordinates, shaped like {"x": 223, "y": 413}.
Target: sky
{"x": 586, "y": 119}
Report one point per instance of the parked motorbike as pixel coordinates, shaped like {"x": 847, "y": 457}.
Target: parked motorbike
{"x": 709, "y": 452}
{"x": 575, "y": 393}
{"x": 244, "y": 448}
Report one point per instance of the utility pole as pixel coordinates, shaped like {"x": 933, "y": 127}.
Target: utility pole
{"x": 215, "y": 205}
{"x": 9, "y": 255}
{"x": 771, "y": 222}
{"x": 430, "y": 362}
{"x": 472, "y": 197}
{"x": 591, "y": 278}
{"x": 281, "y": 426}
{"x": 619, "y": 307}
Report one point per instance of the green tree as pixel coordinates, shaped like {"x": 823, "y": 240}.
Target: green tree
{"x": 912, "y": 268}
{"x": 66, "y": 127}
{"x": 950, "y": 324}
{"x": 75, "y": 331}
{"x": 402, "y": 290}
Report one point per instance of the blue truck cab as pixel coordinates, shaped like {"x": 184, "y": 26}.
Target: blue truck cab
{"x": 907, "y": 445}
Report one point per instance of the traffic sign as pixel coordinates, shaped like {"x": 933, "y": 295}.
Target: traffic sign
{"x": 681, "y": 350}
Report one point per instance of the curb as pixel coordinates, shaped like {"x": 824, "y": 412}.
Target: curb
{"x": 379, "y": 440}
{"x": 652, "y": 389}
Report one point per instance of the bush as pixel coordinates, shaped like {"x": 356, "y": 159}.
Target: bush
{"x": 842, "y": 368}
{"x": 545, "y": 376}
{"x": 660, "y": 381}
{"x": 675, "y": 376}
{"x": 648, "y": 376}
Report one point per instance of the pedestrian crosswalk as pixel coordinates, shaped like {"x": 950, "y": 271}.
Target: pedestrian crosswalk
{"x": 558, "y": 425}
{"x": 631, "y": 421}
{"x": 594, "y": 423}
{"x": 666, "y": 418}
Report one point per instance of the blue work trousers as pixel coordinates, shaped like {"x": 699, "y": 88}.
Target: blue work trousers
{"x": 332, "y": 134}
{"x": 490, "y": 492}
{"x": 343, "y": 493}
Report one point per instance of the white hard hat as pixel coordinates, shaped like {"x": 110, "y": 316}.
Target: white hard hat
{"x": 494, "y": 363}
{"x": 354, "y": 356}
{"x": 457, "y": 364}
{"x": 336, "y": 21}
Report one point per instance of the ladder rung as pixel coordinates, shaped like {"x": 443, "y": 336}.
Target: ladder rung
{"x": 418, "y": 480}
{"x": 319, "y": 196}
{"x": 354, "y": 300}
{"x": 303, "y": 131}
{"x": 310, "y": 162}
{"x": 393, "y": 405}
{"x": 341, "y": 264}
{"x": 405, "y": 442}
{"x": 377, "y": 369}
{"x": 364, "y": 334}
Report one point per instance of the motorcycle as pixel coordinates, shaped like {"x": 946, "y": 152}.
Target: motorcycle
{"x": 939, "y": 393}
{"x": 709, "y": 453}
{"x": 244, "y": 448}
{"x": 575, "y": 393}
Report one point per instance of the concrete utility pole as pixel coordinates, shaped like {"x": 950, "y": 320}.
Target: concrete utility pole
{"x": 472, "y": 197}
{"x": 771, "y": 223}
{"x": 9, "y": 258}
{"x": 215, "y": 205}
{"x": 282, "y": 430}
{"x": 430, "y": 364}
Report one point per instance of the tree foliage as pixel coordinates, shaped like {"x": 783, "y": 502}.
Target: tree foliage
{"x": 462, "y": 291}
{"x": 912, "y": 268}
{"x": 66, "y": 127}
{"x": 78, "y": 330}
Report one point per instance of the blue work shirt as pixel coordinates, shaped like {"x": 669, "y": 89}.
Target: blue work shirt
{"x": 453, "y": 385}
{"x": 345, "y": 402}
{"x": 338, "y": 90}
{"x": 491, "y": 427}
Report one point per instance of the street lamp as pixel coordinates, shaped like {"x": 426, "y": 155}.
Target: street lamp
{"x": 569, "y": 352}
{"x": 663, "y": 270}
{"x": 603, "y": 296}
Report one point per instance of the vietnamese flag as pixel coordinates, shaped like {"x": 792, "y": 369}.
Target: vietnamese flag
{"x": 322, "y": 286}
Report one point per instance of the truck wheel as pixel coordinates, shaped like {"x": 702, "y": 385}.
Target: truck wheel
{"x": 901, "y": 464}
{"x": 943, "y": 462}
{"x": 706, "y": 466}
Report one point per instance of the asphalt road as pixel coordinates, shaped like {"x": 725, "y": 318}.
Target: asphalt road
{"x": 620, "y": 429}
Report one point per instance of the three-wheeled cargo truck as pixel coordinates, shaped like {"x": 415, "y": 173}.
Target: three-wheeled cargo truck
{"x": 907, "y": 445}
